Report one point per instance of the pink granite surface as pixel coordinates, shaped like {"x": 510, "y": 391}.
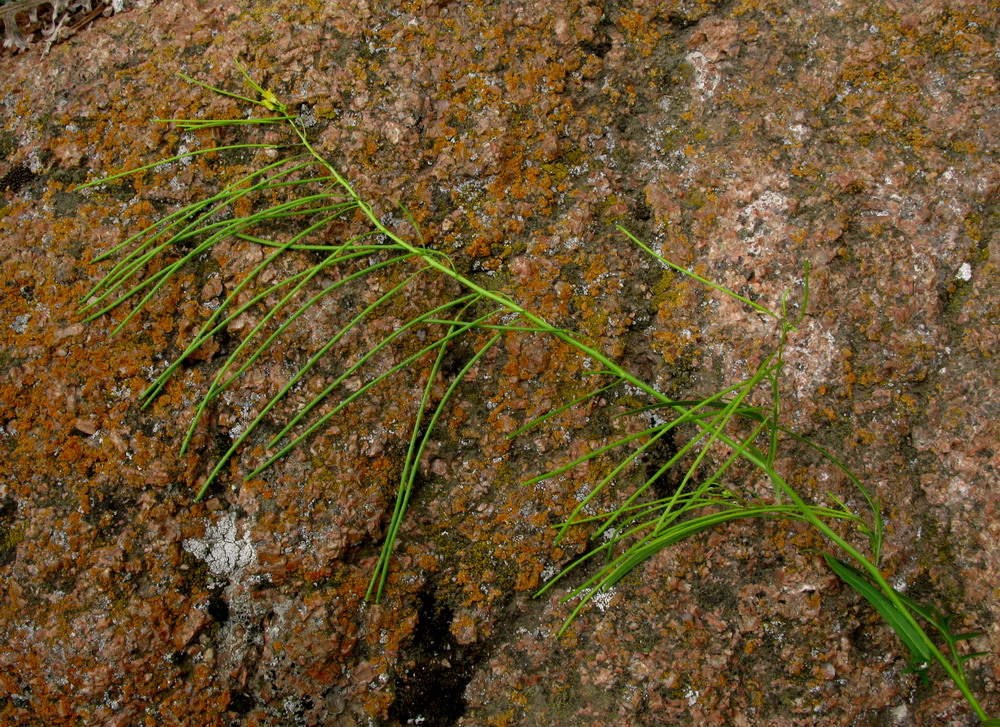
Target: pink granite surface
{"x": 739, "y": 137}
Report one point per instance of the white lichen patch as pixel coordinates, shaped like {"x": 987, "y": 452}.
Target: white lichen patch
{"x": 224, "y": 552}
{"x": 602, "y": 599}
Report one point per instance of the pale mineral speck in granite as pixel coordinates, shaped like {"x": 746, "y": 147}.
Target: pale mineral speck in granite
{"x": 706, "y": 78}
{"x": 225, "y": 553}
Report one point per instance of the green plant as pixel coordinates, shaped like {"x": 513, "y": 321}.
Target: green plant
{"x": 734, "y": 425}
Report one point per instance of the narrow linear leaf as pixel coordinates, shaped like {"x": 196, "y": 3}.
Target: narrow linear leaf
{"x": 860, "y": 583}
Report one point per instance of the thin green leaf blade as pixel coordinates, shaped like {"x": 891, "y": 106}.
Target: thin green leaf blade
{"x": 856, "y": 580}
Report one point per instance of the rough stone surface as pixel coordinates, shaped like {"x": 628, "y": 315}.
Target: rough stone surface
{"x": 738, "y": 137}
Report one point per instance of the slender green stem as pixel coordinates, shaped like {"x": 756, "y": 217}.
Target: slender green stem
{"x": 161, "y": 162}
{"x": 654, "y": 525}
{"x": 876, "y": 575}
{"x": 362, "y": 390}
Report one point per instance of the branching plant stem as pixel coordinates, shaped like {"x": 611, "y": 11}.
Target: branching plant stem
{"x": 636, "y": 528}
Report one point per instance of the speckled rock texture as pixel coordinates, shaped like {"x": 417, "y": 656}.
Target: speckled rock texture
{"x": 50, "y": 21}
{"x": 740, "y": 137}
